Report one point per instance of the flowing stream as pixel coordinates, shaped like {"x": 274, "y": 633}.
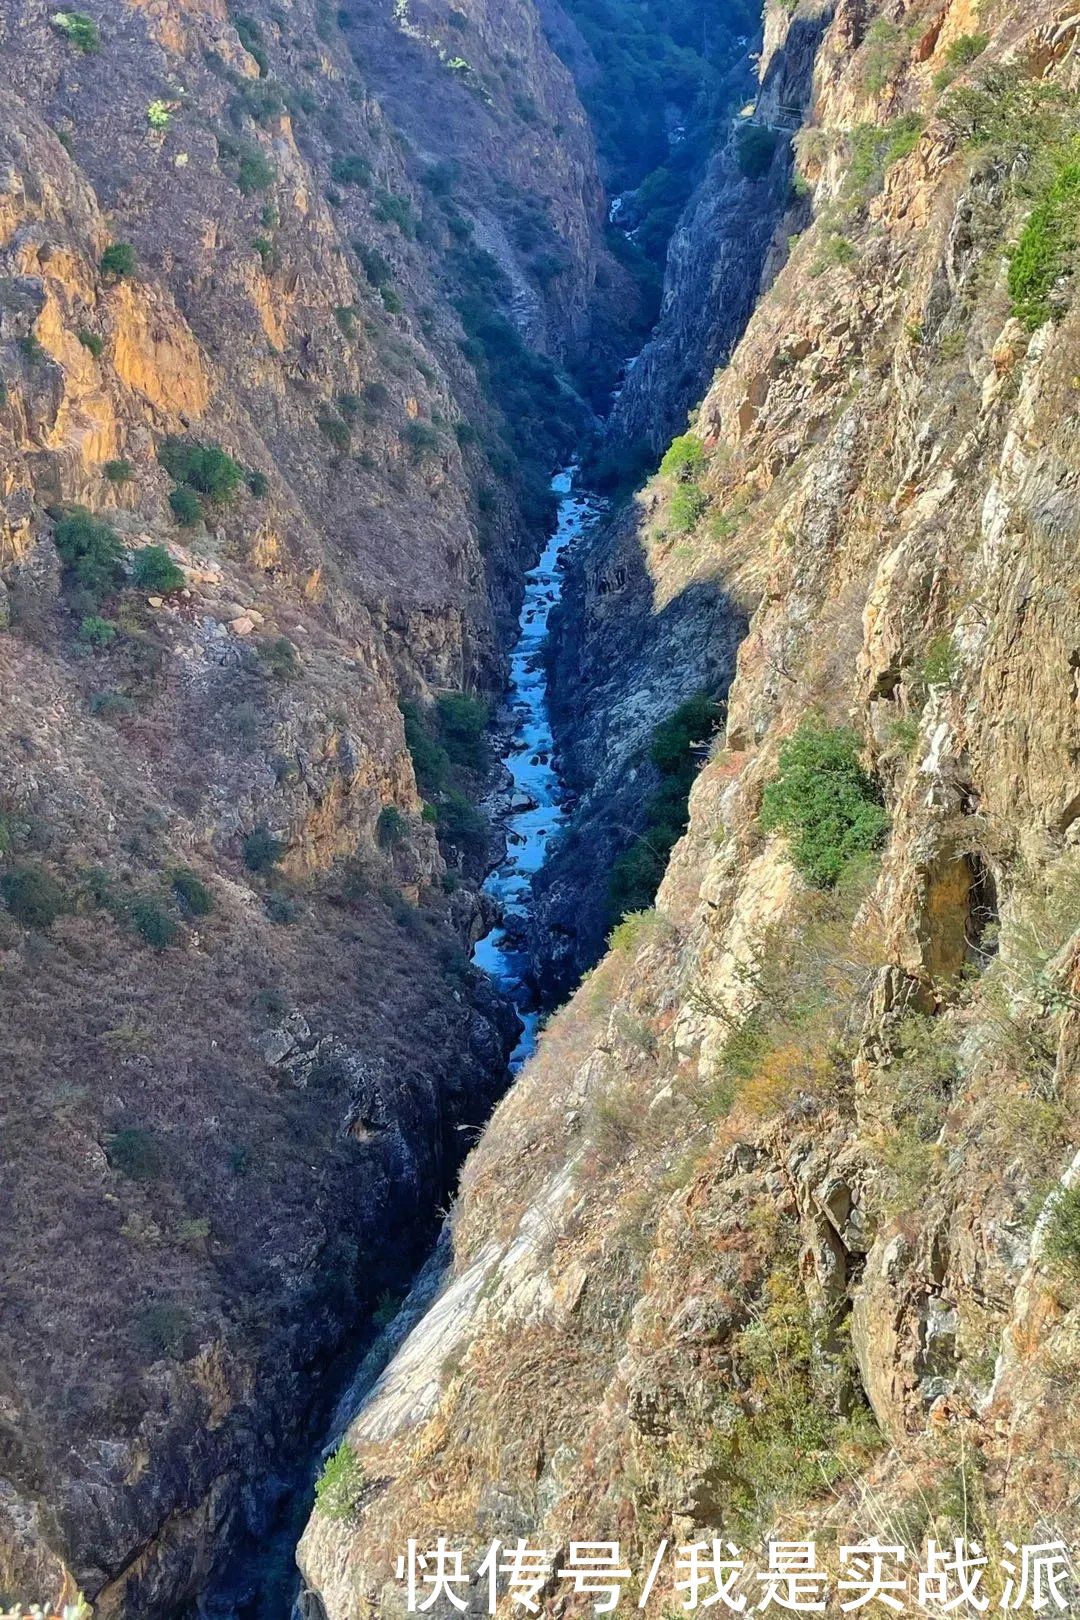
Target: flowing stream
{"x": 536, "y": 797}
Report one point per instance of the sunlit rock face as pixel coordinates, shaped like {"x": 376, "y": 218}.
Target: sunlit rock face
{"x": 775, "y": 1234}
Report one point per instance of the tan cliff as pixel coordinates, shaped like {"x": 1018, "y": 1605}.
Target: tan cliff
{"x": 775, "y": 1234}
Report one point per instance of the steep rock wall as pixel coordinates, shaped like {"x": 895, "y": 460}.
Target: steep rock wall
{"x": 775, "y": 1227}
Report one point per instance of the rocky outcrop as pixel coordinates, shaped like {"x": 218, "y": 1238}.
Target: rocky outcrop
{"x": 778, "y": 1227}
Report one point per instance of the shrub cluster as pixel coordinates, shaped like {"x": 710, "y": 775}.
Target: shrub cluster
{"x": 824, "y": 801}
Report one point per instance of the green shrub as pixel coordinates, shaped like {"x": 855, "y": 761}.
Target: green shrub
{"x": 392, "y": 301}
{"x": 336, "y": 431}
{"x": 939, "y": 666}
{"x": 684, "y": 458}
{"x": 253, "y": 172}
{"x": 163, "y": 1329}
{"x": 191, "y": 892}
{"x": 154, "y": 570}
{"x": 97, "y": 632}
{"x": 78, "y": 29}
{"x": 137, "y": 1154}
{"x": 674, "y": 751}
{"x": 1061, "y": 1237}
{"x": 390, "y": 209}
{"x": 33, "y": 896}
{"x": 754, "y": 148}
{"x": 118, "y": 261}
{"x": 391, "y": 828}
{"x": 960, "y": 52}
{"x": 345, "y": 316}
{"x": 1043, "y": 256}
{"x": 186, "y": 506}
{"x": 462, "y": 826}
{"x": 91, "y": 341}
{"x": 279, "y": 658}
{"x": 250, "y": 34}
{"x": 340, "y": 1490}
{"x": 152, "y": 922}
{"x": 206, "y": 468}
{"x": 111, "y": 705}
{"x": 824, "y": 801}
{"x": 351, "y": 170}
{"x": 462, "y": 728}
{"x": 258, "y": 483}
{"x": 90, "y": 551}
{"x": 431, "y": 763}
{"x": 262, "y": 851}
{"x": 377, "y": 267}
{"x": 686, "y": 507}
{"x": 421, "y": 438}
{"x": 377, "y": 395}
{"x": 119, "y": 472}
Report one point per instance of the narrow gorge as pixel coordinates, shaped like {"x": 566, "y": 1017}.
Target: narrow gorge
{"x": 538, "y": 1004}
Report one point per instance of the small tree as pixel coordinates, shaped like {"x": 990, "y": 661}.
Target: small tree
{"x": 90, "y": 551}
{"x": 33, "y": 896}
{"x": 118, "y": 261}
{"x": 262, "y": 851}
{"x": 154, "y": 570}
{"x": 339, "y": 1493}
{"x": 119, "y": 472}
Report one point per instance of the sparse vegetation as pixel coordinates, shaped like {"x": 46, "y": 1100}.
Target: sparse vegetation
{"x": 1043, "y": 257}
{"x": 262, "y": 850}
{"x": 206, "y": 468}
{"x": 1061, "y": 1238}
{"x": 279, "y": 658}
{"x": 674, "y": 751}
{"x": 118, "y": 472}
{"x": 684, "y": 458}
{"x": 91, "y": 552}
{"x": 191, "y": 892}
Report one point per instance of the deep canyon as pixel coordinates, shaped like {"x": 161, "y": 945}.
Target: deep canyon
{"x": 776, "y": 1226}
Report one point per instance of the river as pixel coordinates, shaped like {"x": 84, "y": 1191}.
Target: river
{"x": 528, "y": 753}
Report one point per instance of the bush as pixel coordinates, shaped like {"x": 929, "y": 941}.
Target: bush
{"x": 163, "y": 1329}
{"x": 391, "y": 828}
{"x": 1043, "y": 255}
{"x": 431, "y": 763}
{"x": 152, "y": 922}
{"x": 258, "y": 483}
{"x": 118, "y": 261}
{"x": 186, "y": 506}
{"x": 191, "y": 892}
{"x": 462, "y": 826}
{"x": 351, "y": 170}
{"x": 421, "y": 438}
{"x": 754, "y": 148}
{"x": 687, "y": 506}
{"x": 1061, "y": 1237}
{"x": 90, "y": 551}
{"x": 336, "y": 432}
{"x": 377, "y": 267}
{"x": 279, "y": 658}
{"x": 78, "y": 29}
{"x": 339, "y": 1492}
{"x": 960, "y": 52}
{"x": 262, "y": 851}
{"x": 91, "y": 341}
{"x": 462, "y": 723}
{"x": 33, "y": 896}
{"x": 137, "y": 1154}
{"x": 253, "y": 172}
{"x": 97, "y": 632}
{"x": 119, "y": 472}
{"x": 824, "y": 801}
{"x": 636, "y": 873}
{"x": 684, "y": 459}
{"x": 206, "y": 468}
{"x": 154, "y": 570}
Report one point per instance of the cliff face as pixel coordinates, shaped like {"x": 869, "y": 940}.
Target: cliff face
{"x": 243, "y": 1040}
{"x": 778, "y": 1228}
